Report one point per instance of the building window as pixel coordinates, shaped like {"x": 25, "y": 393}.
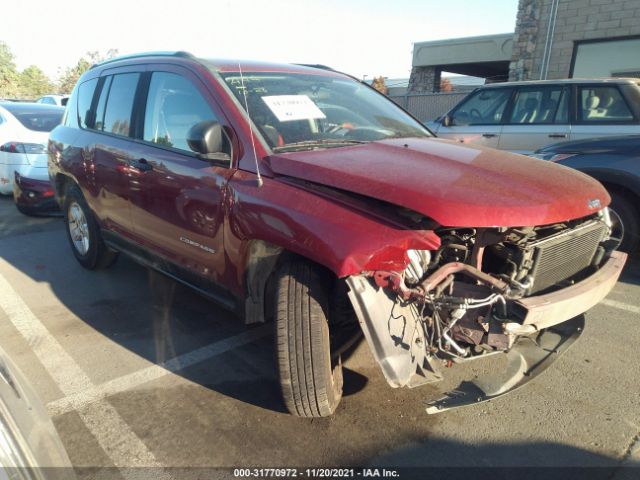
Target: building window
{"x": 607, "y": 58}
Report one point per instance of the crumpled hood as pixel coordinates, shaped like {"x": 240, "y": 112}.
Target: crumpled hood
{"x": 455, "y": 185}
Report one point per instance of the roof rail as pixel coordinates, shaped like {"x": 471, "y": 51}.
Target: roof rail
{"x": 179, "y": 53}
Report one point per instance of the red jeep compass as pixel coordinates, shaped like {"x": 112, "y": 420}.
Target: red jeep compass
{"x": 298, "y": 194}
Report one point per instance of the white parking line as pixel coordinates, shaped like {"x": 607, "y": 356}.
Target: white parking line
{"x": 621, "y": 306}
{"x": 113, "y": 434}
{"x": 83, "y": 398}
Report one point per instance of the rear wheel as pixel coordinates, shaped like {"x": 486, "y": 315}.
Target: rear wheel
{"x": 626, "y": 224}
{"x": 310, "y": 379}
{"x": 84, "y": 234}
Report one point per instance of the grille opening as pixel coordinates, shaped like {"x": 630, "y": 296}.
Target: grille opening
{"x": 564, "y": 255}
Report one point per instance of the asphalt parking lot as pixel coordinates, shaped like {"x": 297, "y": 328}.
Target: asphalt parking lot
{"x": 136, "y": 370}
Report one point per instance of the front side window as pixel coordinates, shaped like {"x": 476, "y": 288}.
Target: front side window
{"x": 539, "y": 106}
{"x": 297, "y": 111}
{"x": 485, "y": 107}
{"x": 602, "y": 104}
{"x": 174, "y": 105}
{"x": 119, "y": 104}
{"x": 85, "y": 97}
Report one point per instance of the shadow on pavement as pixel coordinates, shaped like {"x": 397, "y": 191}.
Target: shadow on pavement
{"x": 148, "y": 314}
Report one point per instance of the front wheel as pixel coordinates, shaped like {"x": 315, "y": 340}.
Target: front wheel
{"x": 84, "y": 234}
{"x": 311, "y": 380}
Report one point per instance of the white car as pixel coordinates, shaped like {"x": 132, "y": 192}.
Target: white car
{"x": 522, "y": 117}
{"x": 24, "y": 132}
{"x": 60, "y": 100}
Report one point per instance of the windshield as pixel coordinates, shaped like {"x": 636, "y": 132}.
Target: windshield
{"x": 297, "y": 111}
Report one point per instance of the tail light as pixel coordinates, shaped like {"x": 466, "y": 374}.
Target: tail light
{"x": 19, "y": 147}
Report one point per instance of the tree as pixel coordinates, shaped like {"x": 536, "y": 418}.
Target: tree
{"x": 71, "y": 75}
{"x": 9, "y": 77}
{"x": 379, "y": 85}
{"x": 34, "y": 83}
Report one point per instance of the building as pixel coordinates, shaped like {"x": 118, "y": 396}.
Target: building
{"x": 552, "y": 39}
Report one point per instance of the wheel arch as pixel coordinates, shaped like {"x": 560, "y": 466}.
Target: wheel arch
{"x": 61, "y": 183}
{"x": 262, "y": 261}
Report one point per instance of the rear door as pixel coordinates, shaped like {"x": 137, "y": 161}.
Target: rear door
{"x": 478, "y": 119}
{"x": 602, "y": 110}
{"x": 539, "y": 116}
{"x": 177, "y": 202}
{"x": 113, "y": 168}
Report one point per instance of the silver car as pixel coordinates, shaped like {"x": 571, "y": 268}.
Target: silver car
{"x": 525, "y": 116}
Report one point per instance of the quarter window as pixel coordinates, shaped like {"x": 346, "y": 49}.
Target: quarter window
{"x": 539, "y": 106}
{"x": 117, "y": 115}
{"x": 174, "y": 105}
{"x": 484, "y": 107}
{"x": 85, "y": 97}
{"x": 603, "y": 104}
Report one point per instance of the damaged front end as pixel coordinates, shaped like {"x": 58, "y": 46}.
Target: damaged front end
{"x": 516, "y": 291}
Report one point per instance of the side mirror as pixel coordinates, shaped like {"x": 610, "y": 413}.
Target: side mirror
{"x": 207, "y": 140}
{"x": 447, "y": 121}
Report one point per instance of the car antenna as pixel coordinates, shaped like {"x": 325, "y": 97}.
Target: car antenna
{"x": 253, "y": 144}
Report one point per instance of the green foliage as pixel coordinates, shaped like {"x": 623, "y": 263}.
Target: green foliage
{"x": 71, "y": 75}
{"x": 9, "y": 83}
{"x": 32, "y": 82}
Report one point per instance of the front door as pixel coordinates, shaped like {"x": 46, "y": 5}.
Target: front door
{"x": 176, "y": 198}
{"x": 478, "y": 119}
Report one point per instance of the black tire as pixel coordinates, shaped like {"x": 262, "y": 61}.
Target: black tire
{"x": 628, "y": 216}
{"x": 311, "y": 381}
{"x": 97, "y": 255}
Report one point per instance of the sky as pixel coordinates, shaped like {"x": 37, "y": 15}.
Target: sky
{"x": 360, "y": 37}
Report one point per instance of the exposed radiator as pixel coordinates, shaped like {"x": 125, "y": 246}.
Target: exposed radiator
{"x": 563, "y": 255}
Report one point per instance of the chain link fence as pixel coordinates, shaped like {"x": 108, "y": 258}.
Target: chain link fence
{"x": 428, "y": 106}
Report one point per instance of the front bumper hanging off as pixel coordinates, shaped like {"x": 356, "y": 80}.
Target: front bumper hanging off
{"x": 528, "y": 358}
{"x": 548, "y": 326}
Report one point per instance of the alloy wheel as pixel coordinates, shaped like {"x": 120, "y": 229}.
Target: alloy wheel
{"x": 78, "y": 228}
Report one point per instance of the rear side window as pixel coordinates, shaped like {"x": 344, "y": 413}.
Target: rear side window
{"x": 117, "y": 114}
{"x": 174, "y": 105}
{"x": 602, "y": 104}
{"x": 85, "y": 97}
{"x": 539, "y": 106}
{"x": 485, "y": 107}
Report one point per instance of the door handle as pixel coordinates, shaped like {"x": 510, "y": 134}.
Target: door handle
{"x": 557, "y": 135}
{"x": 141, "y": 164}
{"x": 489, "y": 135}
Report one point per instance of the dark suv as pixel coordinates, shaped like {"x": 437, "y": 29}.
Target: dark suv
{"x": 302, "y": 195}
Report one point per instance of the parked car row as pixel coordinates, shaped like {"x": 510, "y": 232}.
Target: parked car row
{"x": 524, "y": 116}
{"x": 302, "y": 195}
